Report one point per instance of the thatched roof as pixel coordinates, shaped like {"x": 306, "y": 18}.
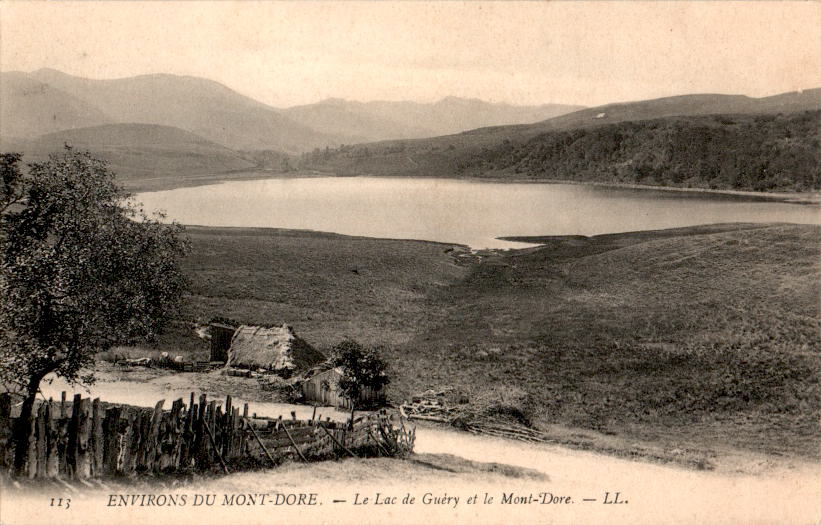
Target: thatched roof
{"x": 277, "y": 349}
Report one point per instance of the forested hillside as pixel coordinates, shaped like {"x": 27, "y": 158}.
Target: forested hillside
{"x": 773, "y": 152}
{"x": 759, "y": 153}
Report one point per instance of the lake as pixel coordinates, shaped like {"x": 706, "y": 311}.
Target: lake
{"x": 468, "y": 212}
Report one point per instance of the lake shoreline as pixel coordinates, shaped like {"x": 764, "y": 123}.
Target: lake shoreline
{"x": 164, "y": 184}
{"x": 481, "y": 214}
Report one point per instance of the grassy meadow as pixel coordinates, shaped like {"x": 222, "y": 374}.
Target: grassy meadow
{"x": 327, "y": 286}
{"x": 703, "y": 338}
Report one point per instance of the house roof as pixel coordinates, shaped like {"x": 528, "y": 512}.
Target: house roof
{"x": 277, "y": 348}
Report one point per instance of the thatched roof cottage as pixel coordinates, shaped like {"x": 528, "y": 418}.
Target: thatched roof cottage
{"x": 276, "y": 349}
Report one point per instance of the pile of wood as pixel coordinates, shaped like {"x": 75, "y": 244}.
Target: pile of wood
{"x": 428, "y": 410}
{"x": 505, "y": 430}
{"x": 429, "y": 407}
{"x": 432, "y": 405}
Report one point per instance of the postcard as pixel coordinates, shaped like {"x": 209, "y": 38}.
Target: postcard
{"x": 410, "y": 262}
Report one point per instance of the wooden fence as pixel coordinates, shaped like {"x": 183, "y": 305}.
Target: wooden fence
{"x": 88, "y": 438}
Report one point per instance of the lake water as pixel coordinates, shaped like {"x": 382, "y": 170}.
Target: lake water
{"x": 457, "y": 211}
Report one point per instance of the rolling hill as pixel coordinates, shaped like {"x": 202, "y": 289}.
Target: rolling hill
{"x": 354, "y": 120}
{"x": 698, "y": 338}
{"x": 736, "y": 152}
{"x": 141, "y": 151}
{"x": 685, "y": 105}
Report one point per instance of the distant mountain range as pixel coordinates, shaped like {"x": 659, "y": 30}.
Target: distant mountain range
{"x": 48, "y": 101}
{"x": 196, "y": 105}
{"x": 374, "y": 121}
{"x": 166, "y": 126}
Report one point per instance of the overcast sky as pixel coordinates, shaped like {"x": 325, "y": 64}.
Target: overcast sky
{"x": 286, "y": 53}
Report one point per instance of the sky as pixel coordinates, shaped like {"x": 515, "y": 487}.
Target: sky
{"x": 286, "y": 54}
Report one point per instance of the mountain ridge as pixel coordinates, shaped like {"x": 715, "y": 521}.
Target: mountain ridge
{"x": 201, "y": 106}
{"x": 223, "y": 115}
{"x": 410, "y": 119}
{"x": 31, "y": 108}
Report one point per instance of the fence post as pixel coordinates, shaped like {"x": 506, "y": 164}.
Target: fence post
{"x": 52, "y": 435}
{"x": 210, "y": 418}
{"x": 124, "y": 457}
{"x": 111, "y": 441}
{"x": 142, "y": 427}
{"x": 143, "y": 441}
{"x": 153, "y": 445}
{"x": 42, "y": 441}
{"x": 238, "y": 434}
{"x": 62, "y": 445}
{"x": 219, "y": 431}
{"x": 187, "y": 445}
{"x": 175, "y": 428}
{"x": 84, "y": 428}
{"x": 200, "y": 439}
{"x": 97, "y": 444}
{"x": 71, "y": 449}
{"x": 228, "y": 427}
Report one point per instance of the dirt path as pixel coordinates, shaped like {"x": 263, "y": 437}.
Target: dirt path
{"x": 653, "y": 493}
{"x": 145, "y": 387}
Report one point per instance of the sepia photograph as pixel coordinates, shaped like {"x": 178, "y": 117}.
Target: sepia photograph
{"x": 410, "y": 262}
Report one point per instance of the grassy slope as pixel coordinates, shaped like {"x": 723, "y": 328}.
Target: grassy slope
{"x": 148, "y": 155}
{"x": 706, "y": 337}
{"x": 144, "y": 151}
{"x": 326, "y": 285}
{"x": 696, "y": 337}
